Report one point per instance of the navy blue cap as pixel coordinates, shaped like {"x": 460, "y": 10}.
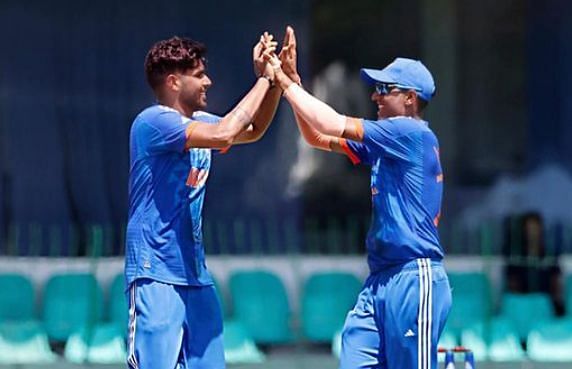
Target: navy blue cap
{"x": 406, "y": 73}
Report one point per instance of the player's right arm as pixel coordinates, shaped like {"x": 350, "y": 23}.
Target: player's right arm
{"x": 316, "y": 139}
{"x": 231, "y": 125}
{"x": 243, "y": 123}
{"x": 287, "y": 74}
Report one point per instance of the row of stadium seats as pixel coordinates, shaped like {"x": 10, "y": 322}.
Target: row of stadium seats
{"x": 75, "y": 312}
{"x": 525, "y": 325}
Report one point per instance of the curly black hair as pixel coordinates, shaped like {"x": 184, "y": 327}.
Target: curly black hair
{"x": 176, "y": 54}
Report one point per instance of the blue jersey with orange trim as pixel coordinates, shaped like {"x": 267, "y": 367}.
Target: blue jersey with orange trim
{"x": 406, "y": 187}
{"x": 166, "y": 194}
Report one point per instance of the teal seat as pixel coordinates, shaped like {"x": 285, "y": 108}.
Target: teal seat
{"x": 326, "y": 300}
{"x": 102, "y": 344}
{"x": 525, "y": 310}
{"x": 260, "y": 303}
{"x": 221, "y": 299}
{"x": 449, "y": 338}
{"x": 471, "y": 304}
{"x": 568, "y": 297}
{"x": 337, "y": 344}
{"x": 239, "y": 347}
{"x": 17, "y": 303}
{"x": 475, "y": 338}
{"x": 551, "y": 341}
{"x": 118, "y": 308}
{"x": 24, "y": 343}
{"x": 71, "y": 302}
{"x": 504, "y": 342}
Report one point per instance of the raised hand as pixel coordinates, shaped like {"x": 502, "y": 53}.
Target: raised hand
{"x": 267, "y": 46}
{"x": 288, "y": 55}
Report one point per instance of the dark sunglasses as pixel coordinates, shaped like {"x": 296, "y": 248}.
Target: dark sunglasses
{"x": 383, "y": 88}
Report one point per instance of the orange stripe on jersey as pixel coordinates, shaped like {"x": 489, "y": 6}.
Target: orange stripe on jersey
{"x": 193, "y": 177}
{"x": 357, "y": 125}
{"x": 191, "y": 128}
{"x": 436, "y": 220}
{"x": 353, "y": 157}
{"x": 224, "y": 150}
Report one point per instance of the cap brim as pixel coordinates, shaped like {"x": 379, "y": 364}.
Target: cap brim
{"x": 372, "y": 76}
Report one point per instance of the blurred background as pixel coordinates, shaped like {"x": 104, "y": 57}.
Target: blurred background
{"x": 278, "y": 213}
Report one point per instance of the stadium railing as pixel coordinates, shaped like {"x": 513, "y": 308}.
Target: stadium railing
{"x": 273, "y": 236}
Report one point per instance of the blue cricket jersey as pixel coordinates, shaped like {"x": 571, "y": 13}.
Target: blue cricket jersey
{"x": 166, "y": 194}
{"x": 406, "y": 188}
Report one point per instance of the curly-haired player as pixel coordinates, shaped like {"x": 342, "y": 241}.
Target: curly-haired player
{"x": 175, "y": 319}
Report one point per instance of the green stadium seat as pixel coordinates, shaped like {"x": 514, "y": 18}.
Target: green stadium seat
{"x": 504, "y": 342}
{"x": 239, "y": 347}
{"x": 449, "y": 338}
{"x": 71, "y": 303}
{"x": 474, "y": 337}
{"x": 221, "y": 299}
{"x": 17, "y": 303}
{"x": 118, "y": 308}
{"x": 471, "y": 302}
{"x": 568, "y": 297}
{"x": 337, "y": 344}
{"x": 260, "y": 303}
{"x": 551, "y": 341}
{"x": 525, "y": 310}
{"x": 103, "y": 344}
{"x": 24, "y": 343}
{"x": 326, "y": 300}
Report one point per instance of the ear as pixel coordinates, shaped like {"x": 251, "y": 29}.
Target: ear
{"x": 411, "y": 98}
{"x": 173, "y": 82}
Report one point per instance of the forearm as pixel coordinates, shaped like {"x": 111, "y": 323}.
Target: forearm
{"x": 262, "y": 118}
{"x": 311, "y": 135}
{"x": 235, "y": 122}
{"x": 316, "y": 113}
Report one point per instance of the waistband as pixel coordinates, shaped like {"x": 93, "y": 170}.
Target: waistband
{"x": 409, "y": 265}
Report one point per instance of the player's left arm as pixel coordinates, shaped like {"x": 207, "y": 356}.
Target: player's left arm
{"x": 262, "y": 119}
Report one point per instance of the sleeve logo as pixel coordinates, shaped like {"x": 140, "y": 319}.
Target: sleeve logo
{"x": 197, "y": 177}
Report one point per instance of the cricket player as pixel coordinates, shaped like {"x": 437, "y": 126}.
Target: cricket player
{"x": 402, "y": 309}
{"x": 175, "y": 318}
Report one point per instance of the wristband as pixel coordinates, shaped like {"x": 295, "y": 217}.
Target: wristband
{"x": 268, "y": 79}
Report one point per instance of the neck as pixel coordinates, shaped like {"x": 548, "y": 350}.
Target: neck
{"x": 174, "y": 103}
{"x": 413, "y": 113}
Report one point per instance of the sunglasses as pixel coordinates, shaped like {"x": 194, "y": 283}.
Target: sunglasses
{"x": 383, "y": 88}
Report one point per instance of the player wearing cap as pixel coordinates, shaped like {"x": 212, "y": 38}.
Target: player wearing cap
{"x": 175, "y": 319}
{"x": 402, "y": 309}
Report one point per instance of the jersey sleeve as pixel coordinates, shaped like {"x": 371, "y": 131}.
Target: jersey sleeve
{"x": 384, "y": 137}
{"x": 210, "y": 118}
{"x": 165, "y": 132}
{"x": 357, "y": 152}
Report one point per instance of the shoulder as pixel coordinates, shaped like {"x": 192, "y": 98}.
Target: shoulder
{"x": 403, "y": 126}
{"x": 203, "y": 116}
{"x": 161, "y": 111}
{"x": 161, "y": 115}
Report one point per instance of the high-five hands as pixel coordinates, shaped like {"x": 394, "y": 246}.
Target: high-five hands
{"x": 268, "y": 64}
{"x": 288, "y": 55}
{"x": 260, "y": 55}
